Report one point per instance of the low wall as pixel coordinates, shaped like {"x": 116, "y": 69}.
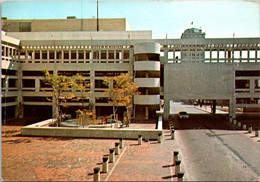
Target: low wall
{"x": 38, "y": 129}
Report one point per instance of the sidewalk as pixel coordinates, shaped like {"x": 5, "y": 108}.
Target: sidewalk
{"x": 151, "y": 161}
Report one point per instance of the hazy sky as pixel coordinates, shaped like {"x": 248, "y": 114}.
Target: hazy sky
{"x": 217, "y": 18}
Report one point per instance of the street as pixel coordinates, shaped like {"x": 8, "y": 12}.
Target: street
{"x": 212, "y": 150}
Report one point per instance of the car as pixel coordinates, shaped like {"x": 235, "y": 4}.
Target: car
{"x": 183, "y": 115}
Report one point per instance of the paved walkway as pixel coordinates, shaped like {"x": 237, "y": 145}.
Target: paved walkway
{"x": 151, "y": 161}
{"x": 73, "y": 159}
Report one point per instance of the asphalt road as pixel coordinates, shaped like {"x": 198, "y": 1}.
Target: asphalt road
{"x": 213, "y": 150}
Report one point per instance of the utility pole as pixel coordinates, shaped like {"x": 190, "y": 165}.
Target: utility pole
{"x": 97, "y": 17}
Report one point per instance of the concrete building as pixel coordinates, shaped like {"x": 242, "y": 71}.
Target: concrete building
{"x": 192, "y": 67}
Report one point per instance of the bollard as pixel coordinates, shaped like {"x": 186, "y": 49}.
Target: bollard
{"x": 239, "y": 124}
{"x": 140, "y": 140}
{"x": 180, "y": 176}
{"x": 177, "y": 167}
{"x": 121, "y": 143}
{"x": 111, "y": 155}
{"x": 105, "y": 164}
{"x": 173, "y": 131}
{"x": 96, "y": 176}
{"x": 256, "y": 133}
{"x": 147, "y": 139}
{"x": 175, "y": 158}
{"x": 159, "y": 138}
{"x": 116, "y": 148}
{"x": 250, "y": 129}
{"x": 234, "y": 121}
{"x": 244, "y": 127}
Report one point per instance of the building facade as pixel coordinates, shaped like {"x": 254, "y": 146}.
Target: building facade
{"x": 192, "y": 67}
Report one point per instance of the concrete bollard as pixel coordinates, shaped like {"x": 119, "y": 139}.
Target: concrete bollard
{"x": 239, "y": 124}
{"x": 140, "y": 140}
{"x": 244, "y": 127}
{"x": 116, "y": 148}
{"x": 121, "y": 143}
{"x": 180, "y": 176}
{"x": 172, "y": 134}
{"x": 250, "y": 128}
{"x": 159, "y": 138}
{"x": 234, "y": 121}
{"x": 111, "y": 155}
{"x": 105, "y": 164}
{"x": 175, "y": 156}
{"x": 96, "y": 176}
{"x": 256, "y": 133}
{"x": 177, "y": 167}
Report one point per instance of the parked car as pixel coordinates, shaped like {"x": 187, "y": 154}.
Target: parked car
{"x": 183, "y": 115}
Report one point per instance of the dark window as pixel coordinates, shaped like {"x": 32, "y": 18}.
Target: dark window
{"x": 72, "y": 73}
{"x": 8, "y": 72}
{"x": 37, "y": 99}
{"x": 28, "y": 83}
{"x": 8, "y": 99}
{"x": 248, "y": 73}
{"x": 100, "y": 84}
{"x": 126, "y": 54}
{"x": 44, "y": 85}
{"x": 242, "y": 84}
{"x": 81, "y": 54}
{"x": 34, "y": 73}
{"x": 109, "y": 73}
{"x": 12, "y": 83}
{"x": 102, "y": 100}
{"x": 44, "y": 55}
{"x": 66, "y": 54}
{"x": 51, "y": 55}
{"x": 73, "y": 55}
{"x": 37, "y": 55}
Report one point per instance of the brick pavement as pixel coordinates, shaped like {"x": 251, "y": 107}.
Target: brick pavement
{"x": 73, "y": 159}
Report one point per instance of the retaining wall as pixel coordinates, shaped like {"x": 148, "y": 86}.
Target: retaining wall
{"x": 38, "y": 129}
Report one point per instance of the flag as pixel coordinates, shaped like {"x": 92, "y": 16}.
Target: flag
{"x": 191, "y": 23}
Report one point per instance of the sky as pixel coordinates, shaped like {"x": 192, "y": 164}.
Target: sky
{"x": 217, "y": 18}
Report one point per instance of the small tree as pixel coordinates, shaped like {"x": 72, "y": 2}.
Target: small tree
{"x": 121, "y": 91}
{"x": 61, "y": 91}
{"x": 82, "y": 85}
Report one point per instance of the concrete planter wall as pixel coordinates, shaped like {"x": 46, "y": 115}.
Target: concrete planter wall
{"x": 38, "y": 130}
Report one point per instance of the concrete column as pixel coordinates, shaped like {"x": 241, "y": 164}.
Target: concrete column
{"x": 213, "y": 110}
{"x": 121, "y": 143}
{"x": 140, "y": 140}
{"x": 257, "y": 133}
{"x": 105, "y": 164}
{"x": 117, "y": 148}
{"x": 96, "y": 176}
{"x": 111, "y": 155}
{"x": 177, "y": 167}
{"x": 166, "y": 108}
{"x": 252, "y": 85}
{"x": 37, "y": 85}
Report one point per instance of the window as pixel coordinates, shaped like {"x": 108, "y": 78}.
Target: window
{"x": 103, "y": 54}
{"x": 51, "y": 55}
{"x": 81, "y": 54}
{"x": 73, "y": 55}
{"x": 242, "y": 84}
{"x": 66, "y": 54}
{"x": 126, "y": 54}
{"x": 28, "y": 83}
{"x": 44, "y": 55}
{"x": 37, "y": 54}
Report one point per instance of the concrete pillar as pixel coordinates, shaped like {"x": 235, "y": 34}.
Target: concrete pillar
{"x": 116, "y": 148}
{"x": 250, "y": 128}
{"x": 166, "y": 109}
{"x": 172, "y": 133}
{"x": 180, "y": 176}
{"x": 177, "y": 167}
{"x": 111, "y": 155}
{"x": 175, "y": 156}
{"x": 257, "y": 133}
{"x": 105, "y": 164}
{"x": 121, "y": 143}
{"x": 244, "y": 127}
{"x": 213, "y": 110}
{"x": 140, "y": 140}
{"x": 159, "y": 138}
{"x": 96, "y": 176}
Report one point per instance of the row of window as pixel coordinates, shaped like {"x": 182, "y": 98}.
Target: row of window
{"x": 74, "y": 54}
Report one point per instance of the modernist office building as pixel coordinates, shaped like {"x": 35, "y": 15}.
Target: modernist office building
{"x": 193, "y": 67}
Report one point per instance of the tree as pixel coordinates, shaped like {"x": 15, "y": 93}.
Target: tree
{"x": 121, "y": 91}
{"x": 61, "y": 91}
{"x": 82, "y": 85}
